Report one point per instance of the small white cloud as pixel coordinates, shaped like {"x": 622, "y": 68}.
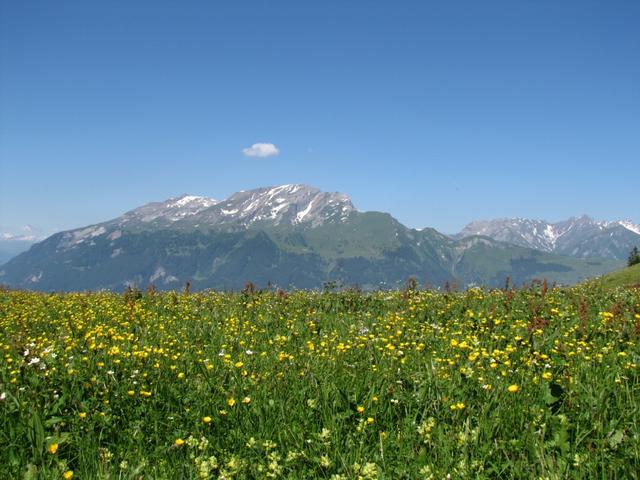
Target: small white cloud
{"x": 261, "y": 150}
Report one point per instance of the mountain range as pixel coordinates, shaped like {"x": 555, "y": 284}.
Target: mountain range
{"x": 578, "y": 237}
{"x": 298, "y": 236}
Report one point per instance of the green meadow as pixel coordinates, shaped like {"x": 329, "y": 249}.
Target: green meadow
{"x": 537, "y": 383}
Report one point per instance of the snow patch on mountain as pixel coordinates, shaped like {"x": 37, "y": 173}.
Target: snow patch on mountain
{"x": 161, "y": 274}
{"x": 551, "y": 235}
{"x": 35, "y": 278}
{"x": 191, "y": 200}
{"x": 630, "y": 226}
{"x": 79, "y": 236}
{"x": 170, "y": 210}
{"x": 300, "y": 215}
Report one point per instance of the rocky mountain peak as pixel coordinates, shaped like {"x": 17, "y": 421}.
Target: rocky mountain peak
{"x": 285, "y": 204}
{"x": 580, "y": 236}
{"x": 170, "y": 210}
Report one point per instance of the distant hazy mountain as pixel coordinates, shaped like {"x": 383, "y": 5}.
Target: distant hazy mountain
{"x": 289, "y": 236}
{"x": 577, "y": 237}
{"x": 11, "y": 248}
{"x": 17, "y": 240}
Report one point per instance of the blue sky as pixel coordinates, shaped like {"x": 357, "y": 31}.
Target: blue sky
{"x": 437, "y": 112}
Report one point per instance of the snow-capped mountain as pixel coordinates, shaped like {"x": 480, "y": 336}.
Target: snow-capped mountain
{"x": 577, "y": 236}
{"x": 285, "y": 204}
{"x": 536, "y": 234}
{"x": 261, "y": 207}
{"x": 170, "y": 210}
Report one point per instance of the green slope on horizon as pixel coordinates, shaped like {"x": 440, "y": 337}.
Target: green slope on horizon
{"x": 626, "y": 277}
{"x": 486, "y": 262}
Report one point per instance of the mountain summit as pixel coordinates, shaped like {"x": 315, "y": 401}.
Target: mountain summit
{"x": 288, "y": 204}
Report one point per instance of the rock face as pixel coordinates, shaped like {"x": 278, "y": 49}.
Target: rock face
{"x": 577, "y": 237}
{"x": 289, "y": 236}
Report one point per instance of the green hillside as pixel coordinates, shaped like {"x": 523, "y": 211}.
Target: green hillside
{"x": 483, "y": 261}
{"x": 621, "y": 278}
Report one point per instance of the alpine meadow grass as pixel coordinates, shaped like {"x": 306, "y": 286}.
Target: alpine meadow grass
{"x": 534, "y": 383}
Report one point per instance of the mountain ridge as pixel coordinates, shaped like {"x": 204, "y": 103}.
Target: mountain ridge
{"x": 580, "y": 236}
{"x": 290, "y": 235}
